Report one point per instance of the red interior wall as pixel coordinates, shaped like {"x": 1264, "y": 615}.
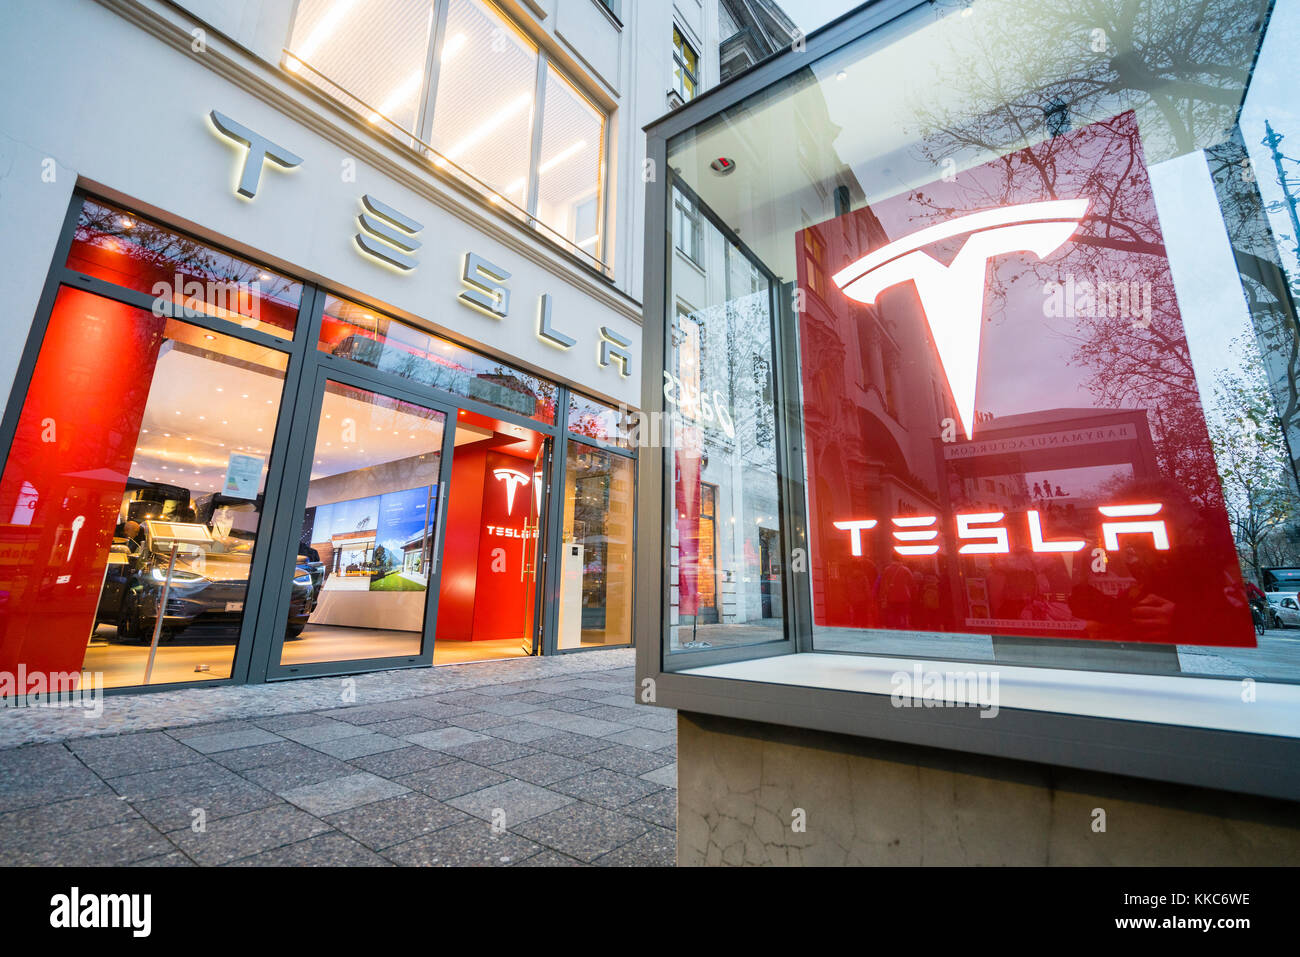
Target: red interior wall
{"x": 460, "y": 544}
{"x": 502, "y": 607}
{"x": 74, "y": 445}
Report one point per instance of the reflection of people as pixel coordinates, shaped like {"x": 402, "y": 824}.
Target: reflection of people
{"x": 306, "y": 551}
{"x": 897, "y": 592}
{"x": 1147, "y": 594}
{"x": 133, "y": 532}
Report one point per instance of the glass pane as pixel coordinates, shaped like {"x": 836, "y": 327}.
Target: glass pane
{"x": 119, "y": 247}
{"x": 372, "y": 339}
{"x": 371, "y": 52}
{"x": 366, "y": 549}
{"x": 134, "y": 482}
{"x": 1047, "y": 330}
{"x": 488, "y": 585}
{"x": 596, "y": 558}
{"x": 568, "y": 190}
{"x": 726, "y": 532}
{"x": 596, "y": 420}
{"x": 483, "y": 118}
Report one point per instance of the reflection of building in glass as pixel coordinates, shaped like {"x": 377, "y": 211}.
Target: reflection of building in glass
{"x": 728, "y": 556}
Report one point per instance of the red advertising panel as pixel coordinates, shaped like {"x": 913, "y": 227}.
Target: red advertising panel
{"x": 61, "y": 491}
{"x": 1004, "y": 430}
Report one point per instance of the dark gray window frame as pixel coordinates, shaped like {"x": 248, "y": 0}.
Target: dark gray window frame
{"x": 1267, "y": 765}
{"x": 681, "y": 64}
{"x": 257, "y": 649}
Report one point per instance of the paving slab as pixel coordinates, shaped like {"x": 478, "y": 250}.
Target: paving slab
{"x": 510, "y": 802}
{"x": 472, "y": 844}
{"x": 607, "y": 788}
{"x": 341, "y": 794}
{"x": 396, "y": 820}
{"x": 446, "y": 738}
{"x": 657, "y": 847}
{"x": 325, "y": 850}
{"x": 231, "y": 740}
{"x": 243, "y": 835}
{"x": 583, "y": 832}
{"x": 451, "y": 780}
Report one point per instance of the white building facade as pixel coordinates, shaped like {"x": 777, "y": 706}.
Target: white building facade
{"x": 411, "y": 232}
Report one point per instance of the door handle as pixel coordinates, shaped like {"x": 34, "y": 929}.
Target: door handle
{"x": 437, "y": 532}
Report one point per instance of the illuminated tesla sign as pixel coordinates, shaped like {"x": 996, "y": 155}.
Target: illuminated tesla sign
{"x": 1077, "y": 495}
{"x": 953, "y": 295}
{"x": 514, "y": 480}
{"x": 983, "y": 533}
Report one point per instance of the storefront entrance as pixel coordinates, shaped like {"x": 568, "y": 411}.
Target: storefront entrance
{"x": 245, "y": 478}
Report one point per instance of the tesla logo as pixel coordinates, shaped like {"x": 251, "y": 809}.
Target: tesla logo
{"x": 952, "y": 296}
{"x": 514, "y": 480}
{"x": 983, "y": 533}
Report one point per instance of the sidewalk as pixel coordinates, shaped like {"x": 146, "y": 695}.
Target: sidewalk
{"x": 543, "y": 761}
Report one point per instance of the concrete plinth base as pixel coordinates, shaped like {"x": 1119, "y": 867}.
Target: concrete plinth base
{"x": 744, "y": 787}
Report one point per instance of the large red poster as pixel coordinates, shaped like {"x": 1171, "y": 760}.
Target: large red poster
{"x": 1004, "y": 430}
{"x": 62, "y": 487}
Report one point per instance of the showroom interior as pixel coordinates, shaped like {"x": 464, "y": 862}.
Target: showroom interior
{"x": 302, "y": 483}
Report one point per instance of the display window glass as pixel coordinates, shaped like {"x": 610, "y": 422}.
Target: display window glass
{"x": 595, "y": 606}
{"x": 368, "y": 540}
{"x": 724, "y": 470}
{"x": 1040, "y": 294}
{"x": 120, "y": 247}
{"x": 595, "y": 420}
{"x": 355, "y": 332}
{"x": 132, "y": 496}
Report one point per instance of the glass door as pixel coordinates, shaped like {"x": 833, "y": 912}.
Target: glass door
{"x": 532, "y": 571}
{"x": 360, "y": 584}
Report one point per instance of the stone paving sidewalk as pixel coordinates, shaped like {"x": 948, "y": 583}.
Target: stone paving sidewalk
{"x": 468, "y": 765}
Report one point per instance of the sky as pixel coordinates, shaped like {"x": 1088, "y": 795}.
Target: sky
{"x": 808, "y": 15}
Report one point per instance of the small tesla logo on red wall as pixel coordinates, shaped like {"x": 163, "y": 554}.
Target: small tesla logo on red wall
{"x": 952, "y": 296}
{"x": 514, "y": 480}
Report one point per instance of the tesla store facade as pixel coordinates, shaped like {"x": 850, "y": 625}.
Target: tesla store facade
{"x": 319, "y": 378}
{"x": 1004, "y": 297}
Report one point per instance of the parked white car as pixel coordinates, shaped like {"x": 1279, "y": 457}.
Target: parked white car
{"x": 1286, "y": 607}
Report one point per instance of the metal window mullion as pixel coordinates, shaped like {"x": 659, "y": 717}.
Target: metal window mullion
{"x": 535, "y": 147}
{"x": 265, "y": 635}
{"x": 424, "y": 125}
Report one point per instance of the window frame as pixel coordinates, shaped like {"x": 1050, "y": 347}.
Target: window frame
{"x": 681, "y": 46}
{"x": 417, "y": 139}
{"x": 688, "y": 211}
{"x": 1238, "y": 761}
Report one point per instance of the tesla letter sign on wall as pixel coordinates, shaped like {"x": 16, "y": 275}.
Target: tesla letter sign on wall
{"x": 984, "y": 461}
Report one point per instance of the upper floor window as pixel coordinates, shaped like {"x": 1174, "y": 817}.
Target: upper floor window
{"x": 466, "y": 87}
{"x": 686, "y": 226}
{"x": 686, "y": 66}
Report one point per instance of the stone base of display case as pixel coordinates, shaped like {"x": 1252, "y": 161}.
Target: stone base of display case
{"x": 752, "y": 793}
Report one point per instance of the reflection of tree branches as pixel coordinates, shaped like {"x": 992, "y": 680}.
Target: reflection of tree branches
{"x": 1088, "y": 63}
{"x": 1252, "y": 460}
{"x": 162, "y": 249}
{"x": 1270, "y": 299}
{"x": 1177, "y": 64}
